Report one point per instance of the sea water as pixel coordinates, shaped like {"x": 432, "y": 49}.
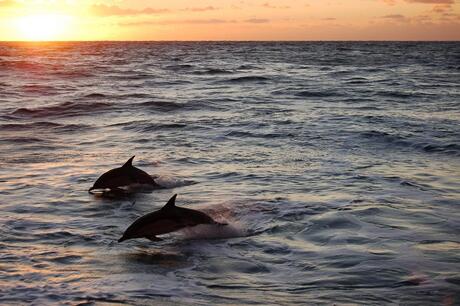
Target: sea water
{"x": 336, "y": 165}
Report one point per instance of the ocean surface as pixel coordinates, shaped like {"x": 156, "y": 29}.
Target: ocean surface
{"x": 336, "y": 165}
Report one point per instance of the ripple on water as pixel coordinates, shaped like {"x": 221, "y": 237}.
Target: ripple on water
{"x": 62, "y": 110}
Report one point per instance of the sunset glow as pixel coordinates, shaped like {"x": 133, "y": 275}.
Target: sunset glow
{"x": 230, "y": 20}
{"x": 43, "y": 27}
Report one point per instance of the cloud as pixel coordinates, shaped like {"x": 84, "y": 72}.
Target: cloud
{"x": 432, "y": 1}
{"x": 192, "y": 22}
{"x": 390, "y": 2}
{"x": 171, "y": 22}
{"x": 271, "y": 6}
{"x": 113, "y": 10}
{"x": 200, "y": 9}
{"x": 393, "y": 16}
{"x": 448, "y": 2}
{"x": 8, "y": 3}
{"x": 257, "y": 20}
{"x": 441, "y": 8}
{"x": 104, "y": 10}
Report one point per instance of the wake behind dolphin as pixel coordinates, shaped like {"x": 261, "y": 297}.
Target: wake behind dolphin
{"x": 125, "y": 176}
{"x": 168, "y": 219}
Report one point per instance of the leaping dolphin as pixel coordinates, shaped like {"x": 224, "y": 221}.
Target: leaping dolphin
{"x": 126, "y": 175}
{"x": 168, "y": 219}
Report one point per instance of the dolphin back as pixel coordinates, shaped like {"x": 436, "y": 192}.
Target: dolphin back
{"x": 168, "y": 219}
{"x": 124, "y": 176}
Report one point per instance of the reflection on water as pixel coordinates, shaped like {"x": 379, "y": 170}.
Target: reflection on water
{"x": 336, "y": 166}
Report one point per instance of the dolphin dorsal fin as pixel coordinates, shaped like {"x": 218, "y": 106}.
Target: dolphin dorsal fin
{"x": 129, "y": 163}
{"x": 171, "y": 203}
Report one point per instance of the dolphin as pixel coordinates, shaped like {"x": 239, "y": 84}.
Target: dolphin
{"x": 126, "y": 175}
{"x": 168, "y": 219}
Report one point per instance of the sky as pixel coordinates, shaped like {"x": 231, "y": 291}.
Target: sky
{"x": 229, "y": 20}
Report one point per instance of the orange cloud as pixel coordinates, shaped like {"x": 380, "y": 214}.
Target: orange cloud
{"x": 172, "y": 22}
{"x": 7, "y": 3}
{"x": 200, "y": 9}
{"x": 395, "y": 17}
{"x": 243, "y": 19}
{"x": 432, "y": 1}
{"x": 193, "y": 21}
{"x": 442, "y": 8}
{"x": 257, "y": 20}
{"x": 271, "y": 6}
{"x": 448, "y": 2}
{"x": 113, "y": 10}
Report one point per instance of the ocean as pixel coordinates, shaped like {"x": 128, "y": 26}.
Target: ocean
{"x": 335, "y": 164}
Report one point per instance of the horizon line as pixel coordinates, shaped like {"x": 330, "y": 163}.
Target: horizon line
{"x": 215, "y": 40}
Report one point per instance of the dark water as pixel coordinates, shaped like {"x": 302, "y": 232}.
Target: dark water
{"x": 337, "y": 166}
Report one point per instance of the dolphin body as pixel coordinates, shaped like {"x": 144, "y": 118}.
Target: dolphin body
{"x": 168, "y": 219}
{"x": 126, "y": 175}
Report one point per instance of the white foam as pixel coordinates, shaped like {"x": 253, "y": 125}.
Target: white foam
{"x": 167, "y": 181}
{"x": 207, "y": 231}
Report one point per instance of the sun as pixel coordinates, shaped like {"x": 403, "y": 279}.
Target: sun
{"x": 43, "y": 27}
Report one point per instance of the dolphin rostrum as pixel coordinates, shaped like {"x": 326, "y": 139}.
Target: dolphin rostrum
{"x": 168, "y": 219}
{"x": 126, "y": 175}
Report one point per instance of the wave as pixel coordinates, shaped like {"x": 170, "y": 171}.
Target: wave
{"x": 38, "y": 89}
{"x": 166, "y": 106}
{"x": 52, "y": 69}
{"x": 305, "y": 93}
{"x": 152, "y": 127}
{"x": 244, "y": 134}
{"x": 131, "y": 76}
{"x": 135, "y": 95}
{"x": 148, "y": 126}
{"x": 28, "y": 126}
{"x": 314, "y": 93}
{"x": 357, "y": 80}
{"x": 72, "y": 74}
{"x": 179, "y": 67}
{"x": 43, "y": 125}
{"x": 452, "y": 148}
{"x": 98, "y": 95}
{"x": 247, "y": 79}
{"x": 382, "y": 136}
{"x": 61, "y": 110}
{"x": 95, "y": 95}
{"x": 404, "y": 95}
{"x": 212, "y": 71}
{"x": 20, "y": 65}
{"x": 247, "y": 67}
{"x": 22, "y": 139}
{"x": 162, "y": 106}
{"x": 449, "y": 148}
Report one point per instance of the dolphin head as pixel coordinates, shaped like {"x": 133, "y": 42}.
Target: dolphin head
{"x": 114, "y": 178}
{"x": 111, "y": 179}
